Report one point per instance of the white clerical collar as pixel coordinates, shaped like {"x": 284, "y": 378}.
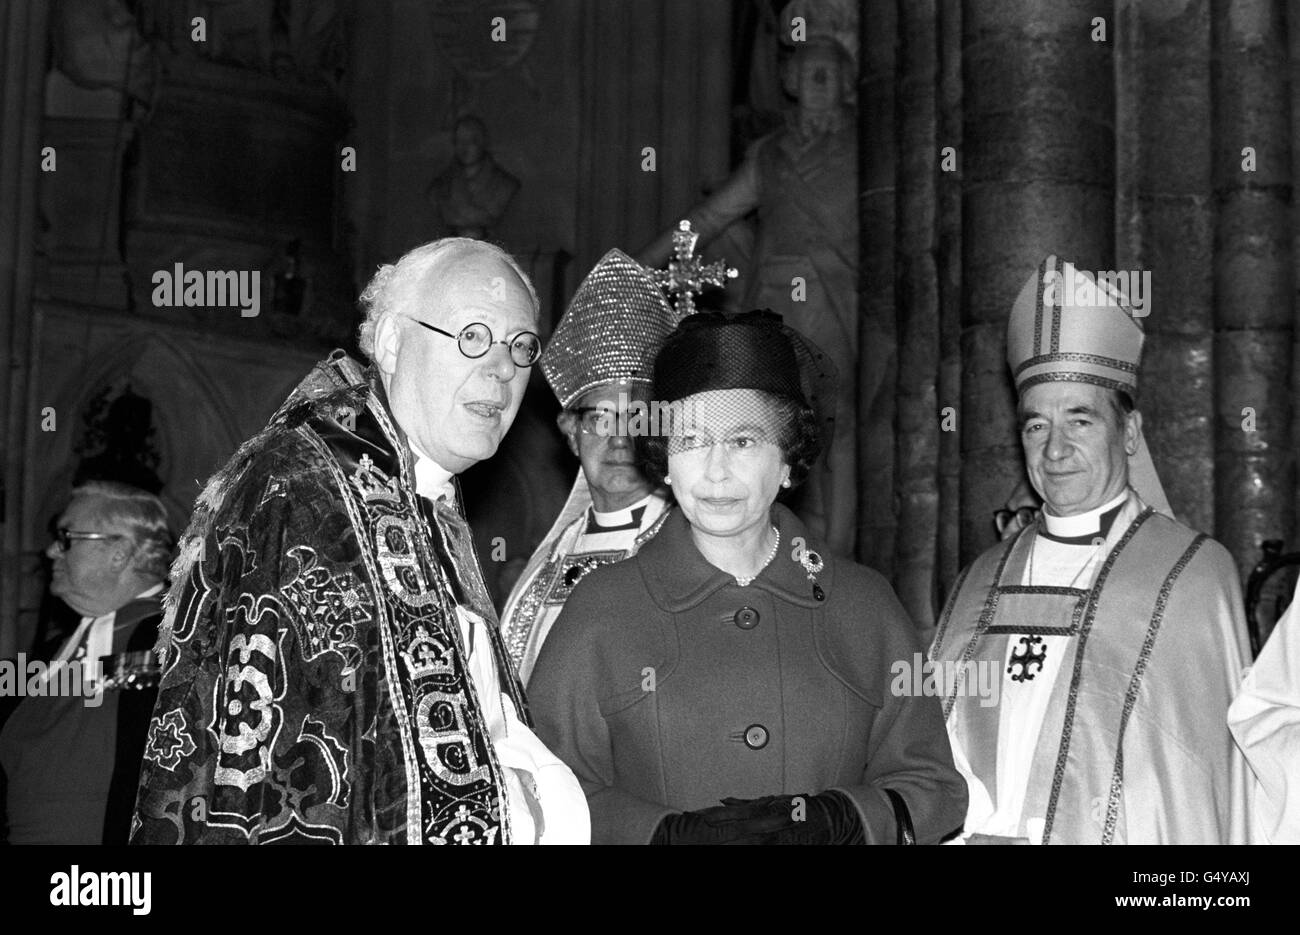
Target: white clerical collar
{"x": 1081, "y": 524}
{"x": 97, "y": 635}
{"x": 620, "y": 518}
{"x": 432, "y": 481}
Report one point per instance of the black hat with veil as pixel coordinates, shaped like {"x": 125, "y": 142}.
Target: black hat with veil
{"x": 756, "y": 351}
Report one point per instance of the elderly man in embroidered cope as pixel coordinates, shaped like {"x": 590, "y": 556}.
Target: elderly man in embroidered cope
{"x": 1117, "y": 633}
{"x": 599, "y": 363}
{"x": 334, "y": 672}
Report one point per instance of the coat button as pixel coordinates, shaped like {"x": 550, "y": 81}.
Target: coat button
{"x": 756, "y": 736}
{"x": 746, "y": 618}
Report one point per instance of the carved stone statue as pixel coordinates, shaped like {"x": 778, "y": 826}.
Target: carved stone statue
{"x": 120, "y": 434}
{"x": 96, "y": 45}
{"x": 303, "y": 39}
{"x": 801, "y": 180}
{"x": 474, "y": 192}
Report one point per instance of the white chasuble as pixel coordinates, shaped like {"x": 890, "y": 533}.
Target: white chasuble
{"x": 1118, "y": 660}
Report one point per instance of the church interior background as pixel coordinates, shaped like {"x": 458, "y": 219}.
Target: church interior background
{"x": 303, "y": 139}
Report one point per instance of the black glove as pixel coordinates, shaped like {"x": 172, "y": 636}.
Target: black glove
{"x": 828, "y": 818}
{"x": 742, "y": 823}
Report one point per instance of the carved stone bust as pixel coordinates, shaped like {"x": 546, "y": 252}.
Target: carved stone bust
{"x": 472, "y": 195}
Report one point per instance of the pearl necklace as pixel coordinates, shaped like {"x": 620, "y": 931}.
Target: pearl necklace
{"x": 746, "y": 581}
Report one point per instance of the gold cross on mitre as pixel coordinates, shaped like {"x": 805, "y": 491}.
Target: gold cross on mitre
{"x": 686, "y": 276}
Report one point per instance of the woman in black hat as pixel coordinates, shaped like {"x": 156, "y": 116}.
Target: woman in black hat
{"x": 733, "y": 682}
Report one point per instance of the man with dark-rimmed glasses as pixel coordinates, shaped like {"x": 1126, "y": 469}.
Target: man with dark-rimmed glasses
{"x": 71, "y": 758}
{"x": 599, "y": 364}
{"x": 334, "y": 672}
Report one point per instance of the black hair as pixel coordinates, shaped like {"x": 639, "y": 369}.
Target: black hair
{"x": 1121, "y": 403}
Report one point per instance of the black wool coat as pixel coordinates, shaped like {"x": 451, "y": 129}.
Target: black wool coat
{"x": 666, "y": 687}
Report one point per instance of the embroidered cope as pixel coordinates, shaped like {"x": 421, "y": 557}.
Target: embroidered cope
{"x": 333, "y": 673}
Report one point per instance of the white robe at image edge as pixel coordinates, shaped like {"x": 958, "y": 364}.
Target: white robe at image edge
{"x": 1265, "y": 721}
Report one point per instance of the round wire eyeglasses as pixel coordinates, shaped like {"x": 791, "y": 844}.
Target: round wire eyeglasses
{"x": 475, "y": 340}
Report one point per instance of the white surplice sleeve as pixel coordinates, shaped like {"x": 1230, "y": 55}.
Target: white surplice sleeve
{"x": 532, "y": 772}
{"x": 1265, "y": 721}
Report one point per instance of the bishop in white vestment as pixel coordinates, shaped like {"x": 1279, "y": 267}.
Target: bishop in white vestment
{"x": 599, "y": 363}
{"x": 1116, "y": 635}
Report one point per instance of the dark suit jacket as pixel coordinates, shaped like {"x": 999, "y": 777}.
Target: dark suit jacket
{"x": 665, "y": 687}
{"x": 71, "y": 769}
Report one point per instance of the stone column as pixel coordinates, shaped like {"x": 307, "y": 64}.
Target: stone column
{"x": 22, "y": 73}
{"x": 1165, "y": 225}
{"x": 917, "y": 466}
{"x": 652, "y": 87}
{"x": 948, "y": 545}
{"x": 877, "y": 143}
{"x": 1293, "y": 41}
{"x": 1253, "y": 278}
{"x": 1039, "y": 178}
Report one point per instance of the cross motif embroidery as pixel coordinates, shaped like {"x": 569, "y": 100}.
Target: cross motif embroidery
{"x": 373, "y": 483}
{"x": 574, "y": 568}
{"x": 1033, "y": 655}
